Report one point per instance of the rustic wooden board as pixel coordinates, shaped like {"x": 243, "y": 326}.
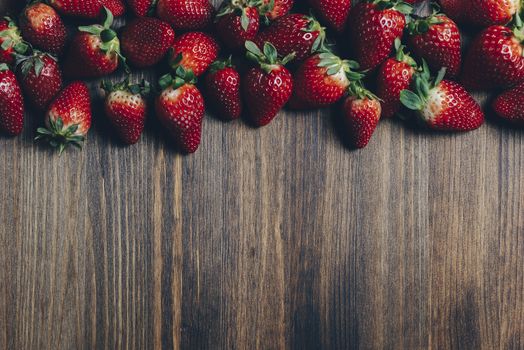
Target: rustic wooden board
{"x": 274, "y": 238}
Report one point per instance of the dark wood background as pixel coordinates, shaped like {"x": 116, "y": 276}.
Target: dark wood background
{"x": 274, "y": 238}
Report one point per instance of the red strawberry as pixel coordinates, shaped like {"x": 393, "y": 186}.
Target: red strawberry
{"x": 141, "y": 8}
{"x": 332, "y": 12}
{"x": 11, "y": 102}
{"x": 322, "y": 80}
{"x": 495, "y": 59}
{"x": 194, "y": 51}
{"x": 68, "y": 118}
{"x": 375, "y": 24}
{"x": 88, "y": 9}
{"x": 180, "y": 108}
{"x": 145, "y": 41}
{"x": 454, "y": 9}
{"x": 491, "y": 12}
{"x": 437, "y": 40}
{"x": 223, "y": 89}
{"x": 294, "y": 33}
{"x": 94, "y": 52}
{"x": 442, "y": 104}
{"x": 43, "y": 27}
{"x": 237, "y": 22}
{"x": 510, "y": 105}
{"x": 40, "y": 78}
{"x": 394, "y": 76}
{"x": 186, "y": 14}
{"x": 10, "y": 41}
{"x": 362, "y": 114}
{"x": 268, "y": 87}
{"x": 273, "y": 9}
{"x": 125, "y": 106}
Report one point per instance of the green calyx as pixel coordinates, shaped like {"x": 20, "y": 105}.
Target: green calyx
{"x": 402, "y": 56}
{"x": 3, "y": 67}
{"x": 314, "y": 26}
{"x": 518, "y": 28}
{"x": 143, "y": 88}
{"x": 181, "y": 77}
{"x": 421, "y": 25}
{"x": 240, "y": 8}
{"x": 423, "y": 84}
{"x": 335, "y": 65}
{"x": 60, "y": 137}
{"x": 221, "y": 64}
{"x": 34, "y": 62}
{"x": 359, "y": 91}
{"x": 268, "y": 58}
{"x": 152, "y": 9}
{"x": 397, "y": 5}
{"x": 11, "y": 38}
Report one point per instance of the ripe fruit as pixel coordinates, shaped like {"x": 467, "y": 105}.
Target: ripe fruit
{"x": 273, "y": 9}
{"x": 194, "y": 51}
{"x": 266, "y": 88}
{"x": 332, "y": 12}
{"x": 186, "y": 14}
{"x": 495, "y": 59}
{"x": 145, "y": 41}
{"x": 237, "y": 22}
{"x": 510, "y": 105}
{"x": 362, "y": 114}
{"x": 295, "y": 33}
{"x": 40, "y": 78}
{"x": 43, "y": 27}
{"x": 142, "y": 8}
{"x": 68, "y": 118}
{"x": 125, "y": 106}
{"x": 94, "y": 51}
{"x": 437, "y": 40}
{"x": 11, "y": 41}
{"x": 454, "y": 9}
{"x": 322, "y": 80}
{"x": 223, "y": 89}
{"x": 442, "y": 104}
{"x": 88, "y": 9}
{"x": 11, "y": 102}
{"x": 180, "y": 108}
{"x": 490, "y": 12}
{"x": 394, "y": 76}
{"x": 375, "y": 24}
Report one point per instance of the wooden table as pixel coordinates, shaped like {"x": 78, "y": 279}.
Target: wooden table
{"x": 279, "y": 237}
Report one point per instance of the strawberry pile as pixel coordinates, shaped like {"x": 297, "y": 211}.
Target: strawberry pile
{"x": 255, "y": 57}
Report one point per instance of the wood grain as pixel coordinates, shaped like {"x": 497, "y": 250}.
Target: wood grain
{"x": 265, "y": 239}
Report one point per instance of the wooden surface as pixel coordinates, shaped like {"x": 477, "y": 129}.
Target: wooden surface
{"x": 265, "y": 239}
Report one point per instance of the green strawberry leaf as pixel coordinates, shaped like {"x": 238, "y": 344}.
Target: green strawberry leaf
{"x": 244, "y": 20}
{"x": 411, "y": 100}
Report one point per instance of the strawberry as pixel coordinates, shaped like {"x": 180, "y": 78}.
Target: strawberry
{"x": 40, "y": 78}
{"x": 180, "y": 108}
{"x": 454, "y": 9}
{"x": 125, "y": 106}
{"x": 267, "y": 88}
{"x": 43, "y": 28}
{"x": 495, "y": 59}
{"x": 394, "y": 76}
{"x": 442, "y": 104}
{"x": 491, "y": 12}
{"x": 362, "y": 114}
{"x": 334, "y": 13}
{"x": 142, "y": 8}
{"x": 94, "y": 51}
{"x": 68, "y": 118}
{"x": 322, "y": 80}
{"x": 145, "y": 41}
{"x": 186, "y": 14}
{"x": 437, "y": 40}
{"x": 194, "y": 51}
{"x": 11, "y": 41}
{"x": 11, "y": 102}
{"x": 375, "y": 24}
{"x": 87, "y": 9}
{"x": 510, "y": 105}
{"x": 273, "y": 9}
{"x": 223, "y": 89}
{"x": 237, "y": 22}
{"x": 294, "y": 33}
